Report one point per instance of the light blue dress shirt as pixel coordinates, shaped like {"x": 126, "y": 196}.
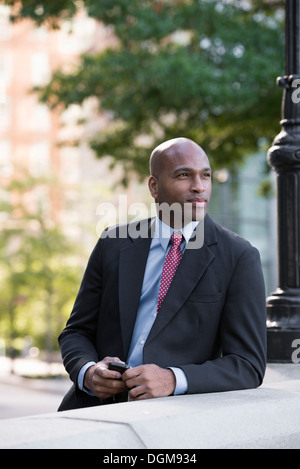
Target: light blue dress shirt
{"x": 148, "y": 302}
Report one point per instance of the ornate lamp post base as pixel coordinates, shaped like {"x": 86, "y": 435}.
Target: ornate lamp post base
{"x": 283, "y": 306}
{"x": 282, "y": 345}
{"x": 283, "y": 327}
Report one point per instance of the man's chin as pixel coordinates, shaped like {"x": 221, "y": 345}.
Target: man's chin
{"x": 194, "y": 212}
{"x": 178, "y": 215}
{"x": 194, "y": 216}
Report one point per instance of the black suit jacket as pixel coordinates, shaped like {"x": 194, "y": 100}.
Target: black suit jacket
{"x": 212, "y": 323}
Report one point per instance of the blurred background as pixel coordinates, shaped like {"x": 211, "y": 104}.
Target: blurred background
{"x": 87, "y": 90}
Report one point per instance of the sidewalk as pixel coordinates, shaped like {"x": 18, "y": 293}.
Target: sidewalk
{"x": 30, "y": 367}
{"x": 50, "y": 377}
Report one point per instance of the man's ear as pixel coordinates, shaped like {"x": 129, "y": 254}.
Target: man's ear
{"x": 153, "y": 186}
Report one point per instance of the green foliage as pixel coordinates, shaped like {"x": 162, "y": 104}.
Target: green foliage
{"x": 200, "y": 69}
{"x": 38, "y": 278}
{"x": 42, "y": 11}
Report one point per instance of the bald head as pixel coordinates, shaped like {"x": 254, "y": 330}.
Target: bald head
{"x": 180, "y": 175}
{"x": 167, "y": 150}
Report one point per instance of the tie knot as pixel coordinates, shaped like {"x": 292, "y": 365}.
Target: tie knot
{"x": 176, "y": 238}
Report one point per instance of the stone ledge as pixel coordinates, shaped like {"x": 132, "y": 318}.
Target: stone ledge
{"x": 267, "y": 417}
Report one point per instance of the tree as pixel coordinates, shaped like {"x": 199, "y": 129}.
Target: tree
{"x": 200, "y": 69}
{"x": 39, "y": 281}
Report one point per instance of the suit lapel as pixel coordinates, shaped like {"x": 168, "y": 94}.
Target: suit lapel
{"x": 132, "y": 266}
{"x": 191, "y": 268}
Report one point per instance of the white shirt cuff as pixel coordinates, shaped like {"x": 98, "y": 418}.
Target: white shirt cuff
{"x": 181, "y": 381}
{"x": 80, "y": 378}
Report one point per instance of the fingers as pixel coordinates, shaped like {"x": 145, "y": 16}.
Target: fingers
{"x": 102, "y": 368}
{"x": 105, "y": 362}
{"x": 103, "y": 382}
{"x": 101, "y": 371}
{"x": 144, "y": 382}
{"x": 148, "y": 381}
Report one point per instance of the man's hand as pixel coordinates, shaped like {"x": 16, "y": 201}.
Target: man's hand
{"x": 103, "y": 382}
{"x": 147, "y": 381}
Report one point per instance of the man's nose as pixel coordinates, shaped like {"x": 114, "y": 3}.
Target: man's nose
{"x": 197, "y": 184}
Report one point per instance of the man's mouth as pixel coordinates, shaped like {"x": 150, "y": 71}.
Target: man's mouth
{"x": 198, "y": 202}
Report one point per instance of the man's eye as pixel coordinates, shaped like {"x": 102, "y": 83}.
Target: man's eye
{"x": 183, "y": 175}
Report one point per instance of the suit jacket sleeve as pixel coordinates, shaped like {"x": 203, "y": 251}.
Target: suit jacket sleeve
{"x": 77, "y": 340}
{"x": 242, "y": 334}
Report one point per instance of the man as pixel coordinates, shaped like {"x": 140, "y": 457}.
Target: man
{"x": 207, "y": 333}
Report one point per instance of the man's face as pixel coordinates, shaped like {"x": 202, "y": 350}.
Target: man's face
{"x": 184, "y": 178}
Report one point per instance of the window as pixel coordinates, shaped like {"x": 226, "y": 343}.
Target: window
{"x": 5, "y": 111}
{"x": 40, "y": 69}
{"x": 70, "y": 164}
{"x": 39, "y": 159}
{"x": 5, "y": 68}
{"x": 5, "y": 25}
{"x": 6, "y": 166}
{"x": 40, "y": 34}
{"x": 40, "y": 118}
{"x": 76, "y": 36}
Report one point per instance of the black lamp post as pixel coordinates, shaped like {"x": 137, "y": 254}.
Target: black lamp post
{"x": 283, "y": 306}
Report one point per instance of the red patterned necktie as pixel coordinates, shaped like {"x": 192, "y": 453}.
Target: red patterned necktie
{"x": 171, "y": 263}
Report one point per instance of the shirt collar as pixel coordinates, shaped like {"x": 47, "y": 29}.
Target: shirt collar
{"x": 163, "y": 232}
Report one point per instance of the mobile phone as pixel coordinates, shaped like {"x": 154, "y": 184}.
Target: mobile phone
{"x": 118, "y": 366}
